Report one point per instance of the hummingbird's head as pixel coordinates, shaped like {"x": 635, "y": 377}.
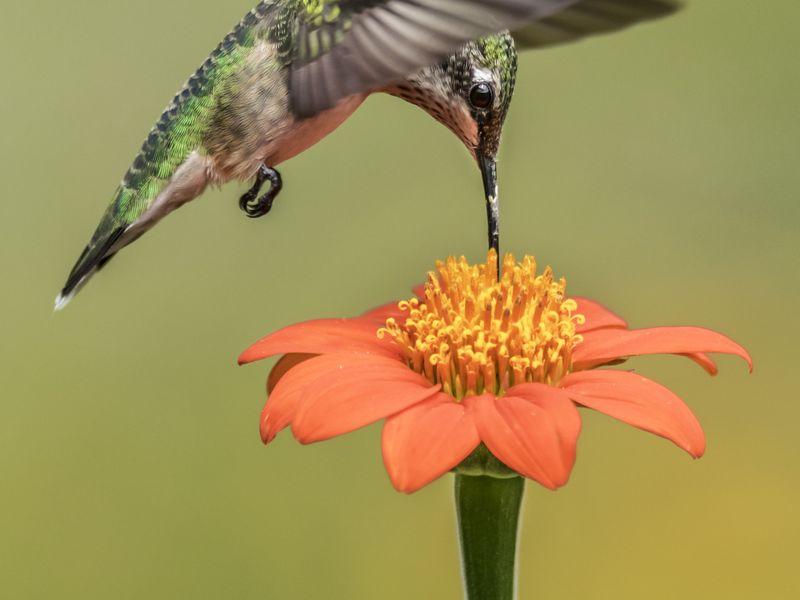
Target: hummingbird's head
{"x": 470, "y": 93}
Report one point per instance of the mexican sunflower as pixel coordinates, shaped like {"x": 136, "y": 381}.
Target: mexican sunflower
{"x": 473, "y": 363}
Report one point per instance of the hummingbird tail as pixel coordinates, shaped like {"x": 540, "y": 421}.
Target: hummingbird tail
{"x": 132, "y": 212}
{"x": 91, "y": 260}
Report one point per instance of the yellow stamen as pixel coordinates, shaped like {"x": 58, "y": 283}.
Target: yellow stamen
{"x": 472, "y": 333}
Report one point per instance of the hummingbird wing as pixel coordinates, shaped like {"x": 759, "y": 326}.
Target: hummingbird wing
{"x": 346, "y": 47}
{"x": 590, "y": 17}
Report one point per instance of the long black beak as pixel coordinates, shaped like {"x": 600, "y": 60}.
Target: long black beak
{"x": 488, "y": 167}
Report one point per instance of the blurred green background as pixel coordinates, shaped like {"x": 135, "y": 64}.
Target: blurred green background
{"x": 656, "y": 169}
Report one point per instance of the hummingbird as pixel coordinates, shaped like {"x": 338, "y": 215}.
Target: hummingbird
{"x": 292, "y": 71}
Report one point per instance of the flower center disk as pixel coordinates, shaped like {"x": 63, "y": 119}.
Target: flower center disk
{"x": 473, "y": 333}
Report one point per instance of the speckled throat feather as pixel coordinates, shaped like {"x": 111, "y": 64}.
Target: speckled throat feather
{"x": 440, "y": 90}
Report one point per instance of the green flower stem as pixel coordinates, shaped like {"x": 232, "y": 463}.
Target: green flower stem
{"x": 488, "y": 518}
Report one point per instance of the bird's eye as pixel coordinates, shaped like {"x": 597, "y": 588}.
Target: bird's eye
{"x": 481, "y": 95}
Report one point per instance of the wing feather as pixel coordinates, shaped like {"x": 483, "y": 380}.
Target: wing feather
{"x": 367, "y": 52}
{"x": 591, "y": 17}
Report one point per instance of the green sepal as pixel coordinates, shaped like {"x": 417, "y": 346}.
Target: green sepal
{"x": 483, "y": 462}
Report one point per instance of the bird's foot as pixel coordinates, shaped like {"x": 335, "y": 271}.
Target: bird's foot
{"x": 256, "y": 206}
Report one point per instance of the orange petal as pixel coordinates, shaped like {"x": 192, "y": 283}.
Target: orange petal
{"x": 566, "y": 418}
{"x": 597, "y": 316}
{"x": 605, "y": 345}
{"x": 524, "y": 435}
{"x": 426, "y": 441}
{"x": 323, "y": 336}
{"x": 639, "y": 402}
{"x": 285, "y": 397}
{"x": 379, "y": 314}
{"x": 282, "y": 367}
{"x": 705, "y": 361}
{"x": 356, "y": 391}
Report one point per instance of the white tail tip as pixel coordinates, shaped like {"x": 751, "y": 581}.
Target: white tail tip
{"x": 62, "y": 301}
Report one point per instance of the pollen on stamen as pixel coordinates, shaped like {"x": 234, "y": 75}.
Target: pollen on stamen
{"x": 473, "y": 334}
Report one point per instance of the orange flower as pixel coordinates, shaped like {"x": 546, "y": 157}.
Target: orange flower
{"x": 473, "y": 360}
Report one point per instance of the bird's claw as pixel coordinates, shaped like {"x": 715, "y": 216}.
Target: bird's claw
{"x": 255, "y": 206}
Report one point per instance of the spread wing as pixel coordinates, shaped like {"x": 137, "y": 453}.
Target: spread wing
{"x": 590, "y": 17}
{"x": 339, "y": 48}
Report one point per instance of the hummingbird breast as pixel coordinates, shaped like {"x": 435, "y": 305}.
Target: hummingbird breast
{"x": 306, "y": 132}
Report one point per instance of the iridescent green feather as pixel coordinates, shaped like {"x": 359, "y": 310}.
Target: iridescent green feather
{"x": 499, "y": 53}
{"x": 303, "y": 30}
{"x": 178, "y": 133}
{"x": 316, "y": 24}
{"x": 181, "y": 128}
